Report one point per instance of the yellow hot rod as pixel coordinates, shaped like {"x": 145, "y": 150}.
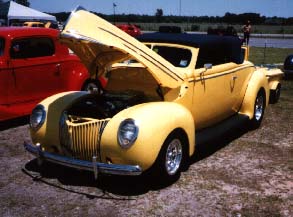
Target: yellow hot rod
{"x": 163, "y": 90}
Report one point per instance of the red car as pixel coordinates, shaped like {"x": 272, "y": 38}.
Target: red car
{"x": 33, "y": 66}
{"x": 131, "y": 29}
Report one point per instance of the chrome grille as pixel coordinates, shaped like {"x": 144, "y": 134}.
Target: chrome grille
{"x": 80, "y": 137}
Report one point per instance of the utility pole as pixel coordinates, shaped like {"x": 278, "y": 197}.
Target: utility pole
{"x": 114, "y": 7}
{"x": 179, "y": 7}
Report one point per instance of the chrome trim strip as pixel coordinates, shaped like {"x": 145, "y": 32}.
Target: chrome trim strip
{"x": 115, "y": 169}
{"x": 207, "y": 77}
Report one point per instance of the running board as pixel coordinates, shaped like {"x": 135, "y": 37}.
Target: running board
{"x": 208, "y": 134}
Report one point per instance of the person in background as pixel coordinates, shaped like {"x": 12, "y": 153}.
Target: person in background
{"x": 246, "y": 32}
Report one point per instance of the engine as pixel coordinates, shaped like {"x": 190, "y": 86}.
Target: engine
{"x": 105, "y": 105}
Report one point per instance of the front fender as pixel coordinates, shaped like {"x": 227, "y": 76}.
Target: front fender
{"x": 257, "y": 81}
{"x": 75, "y": 75}
{"x": 48, "y": 134}
{"x": 156, "y": 121}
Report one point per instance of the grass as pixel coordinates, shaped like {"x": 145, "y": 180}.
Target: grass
{"x": 261, "y": 55}
{"x": 203, "y": 27}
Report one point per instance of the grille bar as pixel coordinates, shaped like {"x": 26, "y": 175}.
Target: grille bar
{"x": 80, "y": 137}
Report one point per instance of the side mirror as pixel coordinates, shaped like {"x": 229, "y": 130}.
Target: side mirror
{"x": 208, "y": 66}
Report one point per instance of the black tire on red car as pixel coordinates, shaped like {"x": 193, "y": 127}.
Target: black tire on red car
{"x": 91, "y": 85}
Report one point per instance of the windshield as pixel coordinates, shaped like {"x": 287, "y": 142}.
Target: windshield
{"x": 1, "y": 46}
{"x": 179, "y": 57}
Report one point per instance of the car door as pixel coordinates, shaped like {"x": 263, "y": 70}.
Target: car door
{"x": 213, "y": 94}
{"x": 6, "y": 80}
{"x": 241, "y": 78}
{"x": 35, "y": 68}
{"x": 4, "y": 74}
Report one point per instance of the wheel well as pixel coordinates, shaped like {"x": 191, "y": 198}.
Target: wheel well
{"x": 262, "y": 90}
{"x": 275, "y": 94}
{"x": 182, "y": 133}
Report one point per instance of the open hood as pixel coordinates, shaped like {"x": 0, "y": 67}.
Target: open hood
{"x": 99, "y": 44}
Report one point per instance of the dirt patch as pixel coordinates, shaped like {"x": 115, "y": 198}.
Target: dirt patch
{"x": 248, "y": 173}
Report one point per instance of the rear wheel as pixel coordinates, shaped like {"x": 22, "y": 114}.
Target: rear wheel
{"x": 259, "y": 108}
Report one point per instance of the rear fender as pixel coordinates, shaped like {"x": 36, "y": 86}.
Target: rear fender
{"x": 273, "y": 85}
{"x": 75, "y": 75}
{"x": 274, "y": 77}
{"x": 257, "y": 82}
{"x": 155, "y": 121}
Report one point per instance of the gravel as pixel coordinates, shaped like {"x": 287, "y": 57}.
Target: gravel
{"x": 245, "y": 173}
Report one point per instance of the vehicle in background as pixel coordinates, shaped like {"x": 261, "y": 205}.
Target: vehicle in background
{"x": 53, "y": 25}
{"x": 33, "y": 24}
{"x": 131, "y": 29}
{"x": 33, "y": 66}
{"x": 288, "y": 66}
{"x": 170, "y": 29}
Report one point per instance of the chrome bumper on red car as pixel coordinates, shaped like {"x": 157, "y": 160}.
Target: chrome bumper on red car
{"x": 94, "y": 166}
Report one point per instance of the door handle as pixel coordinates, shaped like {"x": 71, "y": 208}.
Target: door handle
{"x": 57, "y": 73}
{"x": 234, "y": 77}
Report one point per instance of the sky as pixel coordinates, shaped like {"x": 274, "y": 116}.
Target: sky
{"x": 269, "y": 8}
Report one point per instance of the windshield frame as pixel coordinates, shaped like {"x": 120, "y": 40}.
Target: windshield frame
{"x": 152, "y": 45}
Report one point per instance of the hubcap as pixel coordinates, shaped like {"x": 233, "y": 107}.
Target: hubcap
{"x": 173, "y": 156}
{"x": 259, "y": 107}
{"x": 90, "y": 87}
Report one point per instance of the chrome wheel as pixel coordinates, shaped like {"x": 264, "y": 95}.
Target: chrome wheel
{"x": 173, "y": 156}
{"x": 259, "y": 107}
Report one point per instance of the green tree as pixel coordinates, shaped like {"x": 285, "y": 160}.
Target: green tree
{"x": 23, "y": 2}
{"x": 159, "y": 14}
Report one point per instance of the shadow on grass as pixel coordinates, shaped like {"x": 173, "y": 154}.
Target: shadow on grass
{"x": 118, "y": 185}
{"x": 16, "y": 122}
{"x": 114, "y": 184}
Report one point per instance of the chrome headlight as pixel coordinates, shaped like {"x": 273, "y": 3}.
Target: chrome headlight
{"x": 127, "y": 133}
{"x": 37, "y": 117}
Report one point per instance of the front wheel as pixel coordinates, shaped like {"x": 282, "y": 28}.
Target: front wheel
{"x": 259, "y": 108}
{"x": 171, "y": 157}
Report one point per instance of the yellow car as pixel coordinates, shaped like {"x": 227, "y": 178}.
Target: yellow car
{"x": 163, "y": 91}
{"x": 33, "y": 24}
{"x": 48, "y": 24}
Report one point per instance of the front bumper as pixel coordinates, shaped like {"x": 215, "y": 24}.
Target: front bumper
{"x": 94, "y": 166}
